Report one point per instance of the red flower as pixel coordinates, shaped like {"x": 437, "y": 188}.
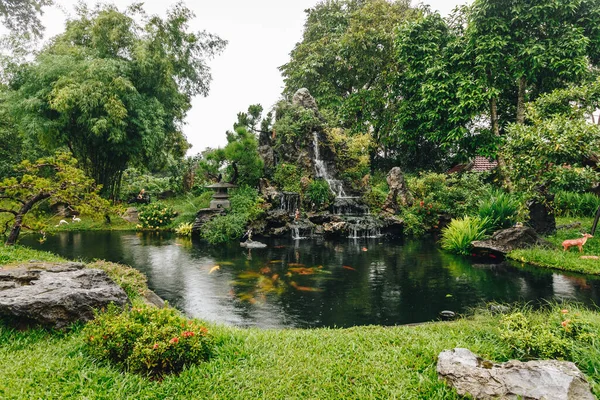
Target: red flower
{"x": 187, "y": 334}
{"x": 155, "y": 346}
{"x": 421, "y": 203}
{"x": 174, "y": 340}
{"x": 203, "y": 330}
{"x": 565, "y": 323}
{"x": 564, "y": 311}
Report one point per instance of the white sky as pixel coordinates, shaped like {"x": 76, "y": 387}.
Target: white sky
{"x": 261, "y": 34}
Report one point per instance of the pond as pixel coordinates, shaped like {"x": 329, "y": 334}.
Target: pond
{"x": 317, "y": 283}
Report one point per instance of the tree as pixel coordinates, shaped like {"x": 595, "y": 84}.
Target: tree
{"x": 114, "y": 92}
{"x": 346, "y": 61}
{"x": 22, "y": 16}
{"x": 555, "y": 150}
{"x": 55, "y": 178}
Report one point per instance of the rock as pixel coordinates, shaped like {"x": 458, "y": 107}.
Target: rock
{"x": 267, "y": 154}
{"x": 203, "y": 216}
{"x": 447, "y": 315}
{"x": 548, "y": 379}
{"x": 55, "y": 295}
{"x": 131, "y": 215}
{"x": 251, "y": 244}
{"x": 335, "y": 228}
{"x": 397, "y": 185}
{"x": 392, "y": 225}
{"x": 153, "y": 299}
{"x": 507, "y": 240}
{"x": 268, "y": 191}
{"x": 499, "y": 308}
{"x": 303, "y": 98}
{"x": 541, "y": 216}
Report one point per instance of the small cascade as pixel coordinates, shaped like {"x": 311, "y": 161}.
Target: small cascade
{"x": 349, "y": 206}
{"x": 336, "y": 186}
{"x": 289, "y": 202}
{"x": 301, "y": 231}
{"x": 364, "y": 227}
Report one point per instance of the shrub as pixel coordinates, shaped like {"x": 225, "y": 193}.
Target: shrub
{"x": 457, "y": 236}
{"x": 287, "y": 177}
{"x": 571, "y": 204}
{"x": 318, "y": 194}
{"x": 156, "y": 216}
{"x": 500, "y": 210}
{"x": 148, "y": 340}
{"x": 246, "y": 207}
{"x": 550, "y": 334}
{"x": 184, "y": 229}
{"x": 374, "y": 198}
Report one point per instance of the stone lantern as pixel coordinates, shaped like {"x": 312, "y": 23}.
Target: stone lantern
{"x": 221, "y": 197}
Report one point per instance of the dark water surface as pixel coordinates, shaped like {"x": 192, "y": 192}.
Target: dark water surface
{"x": 315, "y": 283}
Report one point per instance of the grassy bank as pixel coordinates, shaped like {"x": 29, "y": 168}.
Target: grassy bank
{"x": 356, "y": 363}
{"x": 556, "y": 258}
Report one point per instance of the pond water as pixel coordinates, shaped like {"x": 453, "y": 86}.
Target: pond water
{"x": 317, "y": 283}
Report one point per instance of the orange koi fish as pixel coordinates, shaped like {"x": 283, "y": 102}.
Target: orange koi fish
{"x": 348, "y": 268}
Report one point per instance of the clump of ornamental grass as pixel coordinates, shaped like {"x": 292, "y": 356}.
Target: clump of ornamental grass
{"x": 459, "y": 234}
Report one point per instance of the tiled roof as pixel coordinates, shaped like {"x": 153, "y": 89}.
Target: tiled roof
{"x": 482, "y": 164}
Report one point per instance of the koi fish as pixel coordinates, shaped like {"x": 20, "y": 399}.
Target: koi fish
{"x": 265, "y": 270}
{"x": 295, "y": 265}
{"x": 279, "y": 247}
{"x": 275, "y": 261}
{"x": 364, "y": 249}
{"x": 302, "y": 271}
{"x": 304, "y": 288}
{"x": 275, "y": 277}
{"x": 348, "y": 268}
{"x": 215, "y": 268}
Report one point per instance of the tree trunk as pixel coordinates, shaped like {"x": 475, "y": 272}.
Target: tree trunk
{"x": 16, "y": 229}
{"x": 521, "y": 100}
{"x": 494, "y": 116}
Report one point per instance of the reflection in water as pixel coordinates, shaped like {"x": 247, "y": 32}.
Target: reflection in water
{"x": 312, "y": 283}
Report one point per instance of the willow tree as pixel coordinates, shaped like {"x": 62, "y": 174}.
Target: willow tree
{"x": 115, "y": 92}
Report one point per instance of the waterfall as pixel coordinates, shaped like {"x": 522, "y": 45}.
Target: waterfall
{"x": 301, "y": 232}
{"x": 364, "y": 227}
{"x": 289, "y": 202}
{"x": 335, "y": 185}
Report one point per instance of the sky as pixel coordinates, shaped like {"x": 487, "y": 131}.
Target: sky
{"x": 261, "y": 35}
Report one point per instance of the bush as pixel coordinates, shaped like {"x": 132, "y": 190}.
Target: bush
{"x": 500, "y": 210}
{"x": 246, "y": 207}
{"x": 287, "y": 178}
{"x": 156, "y": 216}
{"x": 551, "y": 334}
{"x": 148, "y": 340}
{"x": 571, "y": 204}
{"x": 457, "y": 236}
{"x": 184, "y": 229}
{"x": 318, "y": 194}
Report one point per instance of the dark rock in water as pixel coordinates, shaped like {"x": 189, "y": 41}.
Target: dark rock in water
{"x": 203, "y": 216}
{"x": 55, "y": 295}
{"x": 482, "y": 379}
{"x": 447, "y": 315}
{"x": 251, "y": 244}
{"x": 349, "y": 206}
{"x": 392, "y": 225}
{"x": 335, "y": 228}
{"x": 507, "y": 240}
{"x": 322, "y": 218}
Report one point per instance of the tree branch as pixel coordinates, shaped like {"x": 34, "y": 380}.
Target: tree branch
{"x": 4, "y": 210}
{"x": 12, "y": 198}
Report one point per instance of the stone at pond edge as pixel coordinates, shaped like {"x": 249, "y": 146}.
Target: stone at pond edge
{"x": 507, "y": 240}
{"x": 131, "y": 215}
{"x": 55, "y": 296}
{"x": 547, "y": 379}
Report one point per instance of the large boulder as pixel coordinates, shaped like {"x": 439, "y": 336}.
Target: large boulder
{"x": 507, "y": 240}
{"x": 481, "y": 379}
{"x": 55, "y": 295}
{"x": 303, "y": 98}
{"x": 397, "y": 185}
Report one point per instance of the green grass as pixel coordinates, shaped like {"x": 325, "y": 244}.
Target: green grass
{"x": 13, "y": 254}
{"x": 357, "y": 363}
{"x": 557, "y": 258}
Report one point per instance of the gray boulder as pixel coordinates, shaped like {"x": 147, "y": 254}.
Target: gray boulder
{"x": 481, "y": 379}
{"x": 303, "y": 98}
{"x": 507, "y": 240}
{"x": 397, "y": 185}
{"x": 55, "y": 295}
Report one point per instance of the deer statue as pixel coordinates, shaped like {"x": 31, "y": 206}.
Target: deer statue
{"x": 576, "y": 242}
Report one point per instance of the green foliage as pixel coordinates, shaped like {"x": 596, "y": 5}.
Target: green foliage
{"x": 293, "y": 130}
{"x": 287, "y": 177}
{"x": 318, "y": 194}
{"x": 55, "y": 178}
{"x": 113, "y": 91}
{"x": 184, "y": 229}
{"x": 555, "y": 335}
{"x": 23, "y": 16}
{"x": 134, "y": 181}
{"x": 245, "y": 208}
{"x": 156, "y": 216}
{"x": 133, "y": 282}
{"x": 374, "y": 198}
{"x": 245, "y": 165}
{"x": 457, "y": 236}
{"x": 571, "y": 204}
{"x": 148, "y": 340}
{"x": 15, "y": 254}
{"x": 351, "y": 154}
{"x": 500, "y": 210}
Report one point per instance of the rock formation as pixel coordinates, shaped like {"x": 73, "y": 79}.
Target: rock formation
{"x": 483, "y": 380}
{"x": 55, "y": 295}
{"x": 397, "y": 185}
{"x": 507, "y": 240}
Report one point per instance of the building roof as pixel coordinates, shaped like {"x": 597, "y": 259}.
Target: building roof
{"x": 479, "y": 164}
